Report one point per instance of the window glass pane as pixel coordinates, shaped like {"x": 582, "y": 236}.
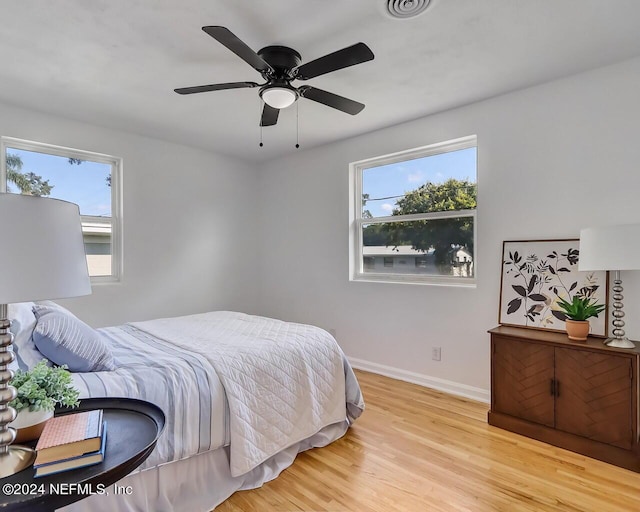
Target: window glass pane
{"x": 86, "y": 183}
{"x": 441, "y": 247}
{"x": 442, "y": 182}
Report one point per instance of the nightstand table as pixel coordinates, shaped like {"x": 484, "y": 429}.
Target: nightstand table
{"x": 133, "y": 428}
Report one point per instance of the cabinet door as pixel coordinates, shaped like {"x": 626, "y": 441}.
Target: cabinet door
{"x": 593, "y": 396}
{"x": 522, "y": 379}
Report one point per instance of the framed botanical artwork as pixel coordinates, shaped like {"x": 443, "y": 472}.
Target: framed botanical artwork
{"x": 536, "y": 273}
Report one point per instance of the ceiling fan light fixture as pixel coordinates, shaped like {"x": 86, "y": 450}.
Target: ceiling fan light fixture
{"x": 278, "y": 96}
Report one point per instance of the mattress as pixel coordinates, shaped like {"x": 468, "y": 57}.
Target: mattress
{"x": 222, "y": 379}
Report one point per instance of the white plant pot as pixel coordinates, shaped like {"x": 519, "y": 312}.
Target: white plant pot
{"x": 29, "y": 424}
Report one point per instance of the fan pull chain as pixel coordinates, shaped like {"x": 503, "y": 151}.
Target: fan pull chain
{"x": 297, "y": 124}
{"x": 260, "y": 107}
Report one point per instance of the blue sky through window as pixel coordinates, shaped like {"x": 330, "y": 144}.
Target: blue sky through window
{"x": 84, "y": 184}
{"x": 387, "y": 183}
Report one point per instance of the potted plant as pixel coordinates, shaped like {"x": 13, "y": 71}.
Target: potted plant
{"x": 578, "y": 311}
{"x": 39, "y": 391}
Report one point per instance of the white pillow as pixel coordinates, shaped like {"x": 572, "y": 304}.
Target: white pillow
{"x": 23, "y": 321}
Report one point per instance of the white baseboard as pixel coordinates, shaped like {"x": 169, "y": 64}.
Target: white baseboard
{"x": 448, "y": 386}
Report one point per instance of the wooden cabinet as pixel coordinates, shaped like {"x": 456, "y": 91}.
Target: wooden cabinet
{"x": 579, "y": 396}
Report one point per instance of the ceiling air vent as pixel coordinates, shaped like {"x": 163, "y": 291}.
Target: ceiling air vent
{"x": 403, "y": 9}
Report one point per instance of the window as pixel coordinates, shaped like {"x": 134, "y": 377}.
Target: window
{"x": 416, "y": 210}
{"x": 369, "y": 263}
{"x": 91, "y": 180}
{"x": 421, "y": 262}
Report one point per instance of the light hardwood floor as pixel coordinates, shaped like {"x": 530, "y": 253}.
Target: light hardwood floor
{"x": 415, "y": 449}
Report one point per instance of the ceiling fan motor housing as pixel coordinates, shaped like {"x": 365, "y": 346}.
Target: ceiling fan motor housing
{"x": 281, "y": 58}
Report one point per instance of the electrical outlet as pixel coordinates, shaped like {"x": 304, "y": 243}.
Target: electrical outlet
{"x": 436, "y": 353}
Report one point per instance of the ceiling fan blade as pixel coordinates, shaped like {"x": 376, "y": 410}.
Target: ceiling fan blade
{"x": 269, "y": 115}
{"x": 350, "y": 56}
{"x": 331, "y": 100}
{"x": 215, "y": 87}
{"x": 227, "y": 38}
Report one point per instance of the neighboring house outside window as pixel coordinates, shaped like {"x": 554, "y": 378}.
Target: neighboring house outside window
{"x": 91, "y": 180}
{"x": 413, "y": 215}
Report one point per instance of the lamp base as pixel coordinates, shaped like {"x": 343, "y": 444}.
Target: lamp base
{"x": 15, "y": 460}
{"x": 619, "y": 343}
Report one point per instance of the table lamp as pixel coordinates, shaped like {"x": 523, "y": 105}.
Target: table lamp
{"x": 612, "y": 248}
{"x": 42, "y": 258}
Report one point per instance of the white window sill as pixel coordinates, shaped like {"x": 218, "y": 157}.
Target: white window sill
{"x": 401, "y": 279}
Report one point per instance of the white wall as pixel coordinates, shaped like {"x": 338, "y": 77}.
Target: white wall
{"x": 552, "y": 159}
{"x": 189, "y": 223}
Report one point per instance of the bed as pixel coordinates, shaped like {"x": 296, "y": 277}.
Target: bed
{"x": 243, "y": 395}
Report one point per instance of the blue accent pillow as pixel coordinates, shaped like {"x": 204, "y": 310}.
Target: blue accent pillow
{"x": 23, "y": 321}
{"x": 65, "y": 339}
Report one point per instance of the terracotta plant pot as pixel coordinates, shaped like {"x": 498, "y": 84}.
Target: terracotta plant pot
{"x": 577, "y": 330}
{"x": 29, "y": 424}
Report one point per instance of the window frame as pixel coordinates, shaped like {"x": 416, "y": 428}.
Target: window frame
{"x": 356, "y": 220}
{"x": 117, "y": 253}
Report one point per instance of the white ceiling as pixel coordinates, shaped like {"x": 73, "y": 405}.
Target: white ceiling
{"x": 116, "y": 62}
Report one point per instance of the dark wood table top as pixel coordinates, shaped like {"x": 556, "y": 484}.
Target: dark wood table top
{"x": 133, "y": 428}
{"x": 559, "y": 338}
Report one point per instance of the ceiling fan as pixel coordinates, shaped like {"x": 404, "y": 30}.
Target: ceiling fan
{"x": 279, "y": 66}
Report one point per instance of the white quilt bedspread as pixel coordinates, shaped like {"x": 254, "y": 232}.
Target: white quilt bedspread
{"x": 283, "y": 381}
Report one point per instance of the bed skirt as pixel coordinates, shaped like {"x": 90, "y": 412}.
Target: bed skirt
{"x": 196, "y": 484}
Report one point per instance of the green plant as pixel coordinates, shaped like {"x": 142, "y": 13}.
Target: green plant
{"x": 44, "y": 387}
{"x": 581, "y": 307}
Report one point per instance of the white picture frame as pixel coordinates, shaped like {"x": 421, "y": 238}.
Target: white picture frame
{"x": 535, "y": 273}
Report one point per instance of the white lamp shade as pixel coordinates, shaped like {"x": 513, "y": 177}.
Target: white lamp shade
{"x": 279, "y": 97}
{"x": 610, "y": 248}
{"x": 42, "y": 253}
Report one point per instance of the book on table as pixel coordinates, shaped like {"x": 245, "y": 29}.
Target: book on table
{"x": 80, "y": 461}
{"x": 68, "y": 436}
